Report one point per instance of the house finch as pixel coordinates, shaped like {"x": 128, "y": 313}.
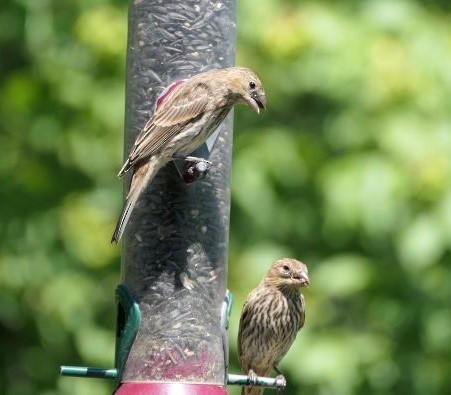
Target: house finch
{"x": 187, "y": 113}
{"x": 272, "y": 315}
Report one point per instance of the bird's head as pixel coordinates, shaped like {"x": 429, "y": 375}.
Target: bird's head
{"x": 288, "y": 273}
{"x": 247, "y": 88}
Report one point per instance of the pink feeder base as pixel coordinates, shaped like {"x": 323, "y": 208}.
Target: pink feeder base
{"x": 152, "y": 388}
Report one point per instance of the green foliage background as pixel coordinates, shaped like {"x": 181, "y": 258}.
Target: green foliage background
{"x": 348, "y": 170}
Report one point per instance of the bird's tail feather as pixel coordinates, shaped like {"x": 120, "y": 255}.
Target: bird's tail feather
{"x": 124, "y": 169}
{"x": 141, "y": 178}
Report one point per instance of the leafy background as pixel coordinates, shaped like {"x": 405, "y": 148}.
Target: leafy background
{"x": 348, "y": 170}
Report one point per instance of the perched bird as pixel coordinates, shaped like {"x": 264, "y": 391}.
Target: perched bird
{"x": 187, "y": 113}
{"x": 272, "y": 315}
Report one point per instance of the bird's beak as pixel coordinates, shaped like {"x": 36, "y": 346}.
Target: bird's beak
{"x": 257, "y": 102}
{"x": 302, "y": 277}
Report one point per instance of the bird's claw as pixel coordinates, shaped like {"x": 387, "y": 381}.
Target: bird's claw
{"x": 281, "y": 382}
{"x": 252, "y": 378}
{"x": 195, "y": 169}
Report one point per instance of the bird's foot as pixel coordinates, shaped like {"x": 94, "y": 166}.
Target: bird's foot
{"x": 195, "y": 169}
{"x": 281, "y": 382}
{"x": 194, "y": 159}
{"x": 252, "y": 378}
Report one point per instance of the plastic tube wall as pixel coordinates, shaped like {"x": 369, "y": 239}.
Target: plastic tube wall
{"x": 175, "y": 246}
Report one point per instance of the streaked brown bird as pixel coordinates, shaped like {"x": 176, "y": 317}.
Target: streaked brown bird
{"x": 272, "y": 315}
{"x": 187, "y": 113}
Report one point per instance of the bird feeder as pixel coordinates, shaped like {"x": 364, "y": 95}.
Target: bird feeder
{"x": 172, "y": 301}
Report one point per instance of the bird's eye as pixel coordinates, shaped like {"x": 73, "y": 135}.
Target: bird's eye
{"x": 252, "y": 85}
{"x": 286, "y": 268}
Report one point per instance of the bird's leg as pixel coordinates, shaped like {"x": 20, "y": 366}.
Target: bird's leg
{"x": 191, "y": 159}
{"x": 281, "y": 382}
{"x": 194, "y": 169}
{"x": 195, "y": 159}
{"x": 252, "y": 378}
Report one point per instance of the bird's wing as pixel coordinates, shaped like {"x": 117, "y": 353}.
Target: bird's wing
{"x": 302, "y": 320}
{"x": 182, "y": 104}
{"x": 248, "y": 333}
{"x": 244, "y": 317}
{"x": 180, "y": 107}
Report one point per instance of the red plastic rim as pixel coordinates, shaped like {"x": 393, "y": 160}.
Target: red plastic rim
{"x": 148, "y": 388}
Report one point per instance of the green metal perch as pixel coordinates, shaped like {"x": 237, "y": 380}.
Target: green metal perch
{"x": 232, "y": 379}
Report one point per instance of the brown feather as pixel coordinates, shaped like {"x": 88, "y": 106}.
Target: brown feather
{"x": 186, "y": 115}
{"x": 272, "y": 315}
{"x": 183, "y": 104}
